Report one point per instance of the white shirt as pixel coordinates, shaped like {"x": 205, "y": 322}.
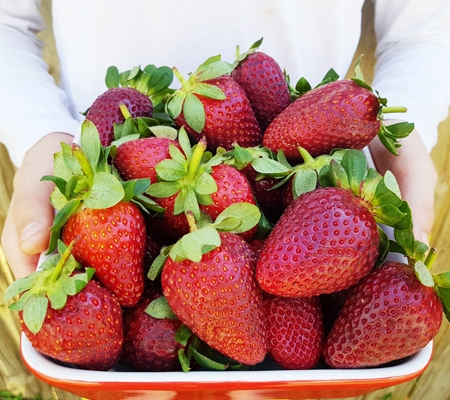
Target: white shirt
{"x": 306, "y": 37}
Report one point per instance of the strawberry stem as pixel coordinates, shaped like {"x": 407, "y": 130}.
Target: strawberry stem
{"x": 196, "y": 159}
{"x": 431, "y": 257}
{"x": 124, "y": 110}
{"x": 84, "y": 163}
{"x": 393, "y": 109}
{"x": 184, "y": 83}
{"x": 191, "y": 221}
{"x": 62, "y": 262}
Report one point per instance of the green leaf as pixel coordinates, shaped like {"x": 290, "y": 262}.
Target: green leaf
{"x": 444, "y": 295}
{"x": 185, "y": 143}
{"x": 61, "y": 217}
{"x": 90, "y": 143}
{"x": 160, "y": 79}
{"x": 388, "y": 214}
{"x": 205, "y": 184}
{"x": 34, "y": 312}
{"x": 206, "y": 362}
{"x": 214, "y": 70}
{"x": 384, "y": 247}
{"x": 183, "y": 334}
{"x": 330, "y": 76}
{"x": 57, "y": 295}
{"x": 175, "y": 105}
{"x": 106, "y": 191}
{"x": 19, "y": 286}
{"x": 247, "y": 213}
{"x": 302, "y": 86}
{"x": 305, "y": 180}
{"x": 164, "y": 189}
{"x": 443, "y": 279}
{"x": 164, "y": 131}
{"x": 171, "y": 170}
{"x": 270, "y": 167}
{"x": 194, "y": 112}
{"x": 112, "y": 77}
{"x": 158, "y": 263}
{"x": 354, "y": 163}
{"x": 193, "y": 245}
{"x": 423, "y": 274}
{"x": 210, "y": 91}
{"x": 391, "y": 183}
{"x": 338, "y": 175}
{"x": 160, "y": 309}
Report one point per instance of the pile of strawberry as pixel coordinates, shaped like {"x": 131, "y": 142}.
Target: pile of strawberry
{"x": 228, "y": 221}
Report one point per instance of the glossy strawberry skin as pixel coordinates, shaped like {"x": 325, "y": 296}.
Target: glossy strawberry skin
{"x": 87, "y": 332}
{"x": 265, "y": 85}
{"x": 149, "y": 343}
{"x": 325, "y": 241}
{"x": 387, "y": 316}
{"x": 112, "y": 241}
{"x": 219, "y": 300}
{"x": 228, "y": 121}
{"x": 138, "y": 158}
{"x": 295, "y": 331}
{"x": 340, "y": 114}
{"x": 105, "y": 112}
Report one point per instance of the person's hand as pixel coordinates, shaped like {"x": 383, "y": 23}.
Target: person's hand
{"x": 30, "y": 215}
{"x": 416, "y": 176}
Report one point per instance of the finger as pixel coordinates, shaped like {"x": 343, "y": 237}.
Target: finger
{"x": 416, "y": 176}
{"x": 32, "y": 212}
{"x": 21, "y": 264}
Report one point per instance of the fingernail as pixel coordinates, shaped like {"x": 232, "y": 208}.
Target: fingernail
{"x": 30, "y": 230}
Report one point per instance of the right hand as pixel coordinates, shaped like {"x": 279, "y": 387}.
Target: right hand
{"x": 30, "y": 215}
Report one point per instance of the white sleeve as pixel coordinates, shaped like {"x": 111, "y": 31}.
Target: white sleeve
{"x": 31, "y": 105}
{"x": 413, "y": 61}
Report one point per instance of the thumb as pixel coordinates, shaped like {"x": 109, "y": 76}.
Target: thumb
{"x": 31, "y": 209}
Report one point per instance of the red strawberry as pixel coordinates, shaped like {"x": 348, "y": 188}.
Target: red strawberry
{"x": 105, "y": 111}
{"x": 212, "y": 105}
{"x": 138, "y": 158}
{"x": 329, "y": 238}
{"x": 218, "y": 298}
{"x": 112, "y": 241}
{"x": 295, "y": 331}
{"x": 149, "y": 343}
{"x": 340, "y": 114}
{"x": 67, "y": 316}
{"x": 87, "y": 332}
{"x": 264, "y": 83}
{"x": 95, "y": 208}
{"x": 189, "y": 183}
{"x": 388, "y": 315}
{"x": 325, "y": 241}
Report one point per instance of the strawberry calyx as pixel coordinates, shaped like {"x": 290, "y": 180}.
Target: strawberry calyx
{"x": 241, "y": 57}
{"x": 55, "y": 280}
{"x": 204, "y": 235}
{"x": 84, "y": 178}
{"x": 185, "y": 99}
{"x": 303, "y": 86}
{"x": 187, "y": 174}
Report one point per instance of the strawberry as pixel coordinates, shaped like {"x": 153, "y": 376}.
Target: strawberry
{"x": 96, "y": 207}
{"x": 112, "y": 241}
{"x": 389, "y": 315}
{"x": 195, "y": 181}
{"x": 105, "y": 111}
{"x": 135, "y": 159}
{"x": 149, "y": 343}
{"x": 264, "y": 83}
{"x": 131, "y": 95}
{"x": 208, "y": 281}
{"x": 295, "y": 331}
{"x": 328, "y": 238}
{"x": 340, "y": 114}
{"x": 212, "y": 105}
{"x": 67, "y": 316}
